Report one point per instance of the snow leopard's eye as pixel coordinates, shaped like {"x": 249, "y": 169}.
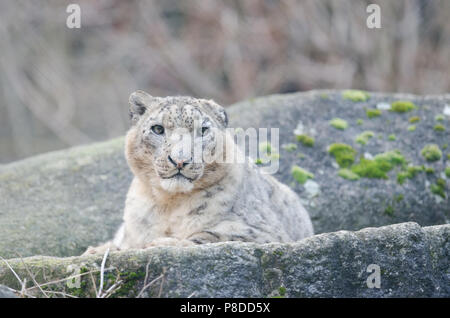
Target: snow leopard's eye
{"x": 158, "y": 129}
{"x": 204, "y": 130}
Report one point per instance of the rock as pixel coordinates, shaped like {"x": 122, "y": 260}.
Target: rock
{"x": 6, "y": 292}
{"x": 347, "y": 204}
{"x": 59, "y": 203}
{"x": 412, "y": 261}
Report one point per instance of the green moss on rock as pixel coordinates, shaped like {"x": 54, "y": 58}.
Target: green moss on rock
{"x": 414, "y": 119}
{"x": 439, "y": 118}
{"x": 392, "y": 137}
{"x": 389, "y": 210}
{"x": 402, "y": 106}
{"x": 409, "y": 173}
{"x": 447, "y": 172}
{"x": 348, "y": 174}
{"x": 306, "y": 140}
{"x": 379, "y": 166}
{"x": 439, "y": 188}
{"x": 371, "y": 113}
{"x": 393, "y": 157}
{"x": 339, "y": 123}
{"x": 429, "y": 170}
{"x": 355, "y": 95}
{"x": 290, "y": 147}
{"x": 431, "y": 152}
{"x": 412, "y": 128}
{"x": 439, "y": 128}
{"x": 372, "y": 169}
{"x": 301, "y": 175}
{"x": 364, "y": 137}
{"x": 343, "y": 153}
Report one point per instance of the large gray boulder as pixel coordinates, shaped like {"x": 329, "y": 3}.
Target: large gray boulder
{"x": 411, "y": 262}
{"x": 341, "y": 203}
{"x": 59, "y": 203}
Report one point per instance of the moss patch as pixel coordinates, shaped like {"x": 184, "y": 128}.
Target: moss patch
{"x": 371, "y": 169}
{"x": 431, "y": 152}
{"x": 428, "y": 170}
{"x": 409, "y": 173}
{"x": 306, "y": 140}
{"x": 339, "y": 123}
{"x": 393, "y": 157}
{"x": 439, "y": 118}
{"x": 371, "y": 113}
{"x": 343, "y": 153}
{"x": 439, "y": 128}
{"x": 301, "y": 175}
{"x": 392, "y": 137}
{"x": 360, "y": 122}
{"x": 447, "y": 172}
{"x": 414, "y": 119}
{"x": 439, "y": 188}
{"x": 290, "y": 147}
{"x": 355, "y": 95}
{"x": 389, "y": 210}
{"x": 348, "y": 174}
{"x": 412, "y": 128}
{"x": 380, "y": 166}
{"x": 364, "y": 137}
{"x": 402, "y": 106}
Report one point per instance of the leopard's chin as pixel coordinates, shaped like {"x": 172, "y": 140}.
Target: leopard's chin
{"x": 177, "y": 184}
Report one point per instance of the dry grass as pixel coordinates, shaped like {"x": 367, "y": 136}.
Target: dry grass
{"x": 40, "y": 289}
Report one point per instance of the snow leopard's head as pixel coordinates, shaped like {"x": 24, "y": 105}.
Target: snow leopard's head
{"x": 175, "y": 142}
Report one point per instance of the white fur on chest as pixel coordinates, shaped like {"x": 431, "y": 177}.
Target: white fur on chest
{"x": 145, "y": 221}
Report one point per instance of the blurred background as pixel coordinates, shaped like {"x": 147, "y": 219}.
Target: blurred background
{"x": 61, "y": 87}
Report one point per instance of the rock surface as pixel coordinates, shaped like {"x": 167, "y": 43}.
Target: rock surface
{"x": 413, "y": 262}
{"x": 6, "y": 293}
{"x": 59, "y": 203}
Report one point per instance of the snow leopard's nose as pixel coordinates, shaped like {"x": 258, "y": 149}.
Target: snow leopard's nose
{"x": 179, "y": 164}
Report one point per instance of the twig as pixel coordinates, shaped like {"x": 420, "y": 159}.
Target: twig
{"x": 93, "y": 283}
{"x": 12, "y": 270}
{"x": 162, "y": 283}
{"x": 192, "y": 295}
{"x": 32, "y": 277}
{"x": 148, "y": 285}
{"x": 61, "y": 293}
{"x": 112, "y": 289}
{"x": 102, "y": 273}
{"x": 70, "y": 277}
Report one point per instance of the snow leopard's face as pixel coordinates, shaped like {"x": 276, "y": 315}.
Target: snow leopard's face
{"x": 175, "y": 141}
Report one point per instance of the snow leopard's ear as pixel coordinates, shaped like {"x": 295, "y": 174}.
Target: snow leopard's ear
{"x": 218, "y": 112}
{"x": 139, "y": 102}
